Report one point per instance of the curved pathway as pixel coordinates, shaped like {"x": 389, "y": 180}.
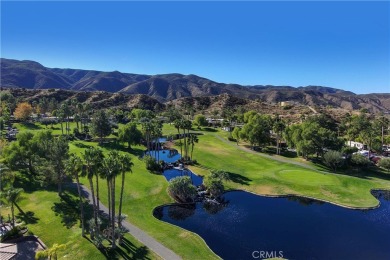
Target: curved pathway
{"x": 279, "y": 159}
{"x": 138, "y": 233}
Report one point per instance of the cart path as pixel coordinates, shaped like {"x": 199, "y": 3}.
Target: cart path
{"x": 138, "y": 233}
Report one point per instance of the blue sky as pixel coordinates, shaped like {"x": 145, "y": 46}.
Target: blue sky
{"x": 337, "y": 44}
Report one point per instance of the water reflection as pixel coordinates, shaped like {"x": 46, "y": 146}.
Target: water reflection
{"x": 308, "y": 229}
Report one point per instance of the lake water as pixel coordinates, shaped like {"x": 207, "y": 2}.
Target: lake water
{"x": 297, "y": 228}
{"x": 172, "y": 173}
{"x": 168, "y": 156}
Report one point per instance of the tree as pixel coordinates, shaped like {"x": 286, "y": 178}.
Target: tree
{"x": 278, "y": 128}
{"x": 333, "y": 159}
{"x": 130, "y": 134}
{"x": 100, "y": 125}
{"x": 73, "y": 167}
{"x": 112, "y": 167}
{"x": 359, "y": 160}
{"x": 23, "y": 111}
{"x": 12, "y": 195}
{"x": 181, "y": 189}
{"x": 385, "y": 163}
{"x": 125, "y": 165}
{"x": 92, "y": 163}
{"x": 50, "y": 253}
{"x": 214, "y": 182}
{"x": 58, "y": 153}
{"x": 236, "y": 134}
{"x": 200, "y": 120}
{"x": 193, "y": 139}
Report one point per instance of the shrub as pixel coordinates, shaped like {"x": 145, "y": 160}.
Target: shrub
{"x": 181, "y": 189}
{"x": 360, "y": 160}
{"x": 151, "y": 164}
{"x": 385, "y": 163}
{"x": 333, "y": 159}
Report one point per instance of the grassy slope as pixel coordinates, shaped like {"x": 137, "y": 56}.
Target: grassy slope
{"x": 263, "y": 176}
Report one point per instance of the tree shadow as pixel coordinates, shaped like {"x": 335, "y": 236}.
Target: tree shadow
{"x": 126, "y": 250}
{"x": 81, "y": 145}
{"x": 32, "y": 126}
{"x": 67, "y": 209}
{"x": 119, "y": 147}
{"x": 137, "y": 252}
{"x": 237, "y": 178}
{"x": 27, "y": 217}
{"x": 209, "y": 129}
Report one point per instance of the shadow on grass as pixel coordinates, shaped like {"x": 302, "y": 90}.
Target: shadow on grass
{"x": 27, "y": 217}
{"x": 31, "y": 126}
{"x": 209, "y": 129}
{"x": 237, "y": 178}
{"x": 81, "y": 145}
{"x": 126, "y": 250}
{"x": 117, "y": 146}
{"x": 69, "y": 209}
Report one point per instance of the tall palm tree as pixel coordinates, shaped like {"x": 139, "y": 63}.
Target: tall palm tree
{"x": 92, "y": 163}
{"x": 73, "y": 167}
{"x": 12, "y": 195}
{"x": 178, "y": 123}
{"x": 125, "y": 165}
{"x": 193, "y": 139}
{"x": 111, "y": 166}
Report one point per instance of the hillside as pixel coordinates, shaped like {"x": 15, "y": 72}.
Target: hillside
{"x": 97, "y": 99}
{"x": 167, "y": 87}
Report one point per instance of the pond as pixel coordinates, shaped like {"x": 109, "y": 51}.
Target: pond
{"x": 168, "y": 156}
{"x": 247, "y": 225}
{"x": 172, "y": 173}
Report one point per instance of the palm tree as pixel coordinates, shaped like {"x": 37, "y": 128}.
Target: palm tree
{"x": 278, "y": 129}
{"x": 111, "y": 166}
{"x": 193, "y": 139}
{"x": 125, "y": 166}
{"x": 73, "y": 167}
{"x": 92, "y": 163}
{"x": 178, "y": 123}
{"x": 12, "y": 195}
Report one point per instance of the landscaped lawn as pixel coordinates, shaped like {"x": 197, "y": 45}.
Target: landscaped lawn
{"x": 260, "y": 175}
{"x": 145, "y": 191}
{"x": 56, "y": 220}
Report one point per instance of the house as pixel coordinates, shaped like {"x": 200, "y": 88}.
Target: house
{"x": 358, "y": 145}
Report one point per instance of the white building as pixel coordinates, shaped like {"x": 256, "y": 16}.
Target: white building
{"x": 358, "y": 145}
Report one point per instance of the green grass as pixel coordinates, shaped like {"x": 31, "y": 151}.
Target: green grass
{"x": 254, "y": 173}
{"x": 145, "y": 191}
{"x": 56, "y": 220}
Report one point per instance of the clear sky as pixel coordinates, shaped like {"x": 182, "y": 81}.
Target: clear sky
{"x": 337, "y": 44}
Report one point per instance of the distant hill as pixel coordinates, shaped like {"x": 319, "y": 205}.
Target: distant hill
{"x": 167, "y": 87}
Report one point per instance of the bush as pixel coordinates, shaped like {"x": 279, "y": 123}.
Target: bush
{"x": 333, "y": 159}
{"x": 359, "y": 160}
{"x": 231, "y": 139}
{"x": 181, "y": 189}
{"x": 151, "y": 164}
{"x": 385, "y": 163}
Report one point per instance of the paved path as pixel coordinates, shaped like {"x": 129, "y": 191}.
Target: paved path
{"x": 276, "y": 158}
{"x": 139, "y": 234}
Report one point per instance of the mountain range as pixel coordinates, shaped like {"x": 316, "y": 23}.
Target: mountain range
{"x": 168, "y": 87}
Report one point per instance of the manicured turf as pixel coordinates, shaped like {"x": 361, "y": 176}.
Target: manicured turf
{"x": 144, "y": 191}
{"x": 264, "y": 176}
{"x": 56, "y": 220}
